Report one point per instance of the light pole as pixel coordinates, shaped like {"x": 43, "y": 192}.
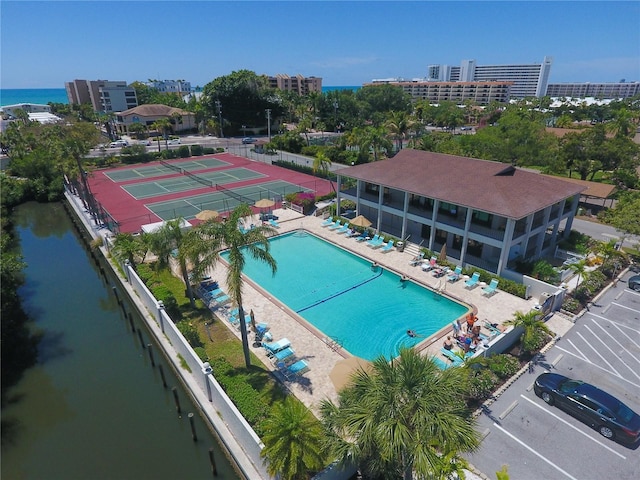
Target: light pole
{"x": 219, "y": 107}
{"x": 268, "y": 110}
{"x": 244, "y": 130}
{"x": 335, "y": 115}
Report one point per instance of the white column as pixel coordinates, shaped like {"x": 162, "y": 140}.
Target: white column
{"x": 404, "y": 216}
{"x": 465, "y": 236}
{"x": 380, "y": 203}
{"x": 434, "y": 216}
{"x": 541, "y": 235}
{"x": 506, "y": 245}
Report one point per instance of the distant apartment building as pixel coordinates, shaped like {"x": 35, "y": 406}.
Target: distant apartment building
{"x": 180, "y": 87}
{"x": 528, "y": 80}
{"x": 103, "y": 95}
{"x": 299, "y": 84}
{"x": 482, "y": 93}
{"x": 596, "y": 90}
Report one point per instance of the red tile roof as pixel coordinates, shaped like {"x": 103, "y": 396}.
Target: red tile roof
{"x": 492, "y": 187}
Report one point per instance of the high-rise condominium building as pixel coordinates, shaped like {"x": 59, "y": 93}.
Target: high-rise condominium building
{"x": 608, "y": 91}
{"x": 103, "y": 95}
{"x": 299, "y": 84}
{"x": 528, "y": 80}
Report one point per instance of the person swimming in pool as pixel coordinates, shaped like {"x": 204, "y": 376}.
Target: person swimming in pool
{"x": 411, "y": 333}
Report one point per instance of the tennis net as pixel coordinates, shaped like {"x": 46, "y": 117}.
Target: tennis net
{"x": 197, "y": 178}
{"x": 237, "y": 196}
{"x": 171, "y": 166}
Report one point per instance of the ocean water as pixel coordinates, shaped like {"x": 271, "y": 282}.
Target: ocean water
{"x": 42, "y": 96}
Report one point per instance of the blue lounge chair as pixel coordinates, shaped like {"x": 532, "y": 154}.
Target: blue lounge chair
{"x": 387, "y": 247}
{"x": 473, "y": 281}
{"x": 208, "y": 295}
{"x": 343, "y": 229}
{"x": 336, "y": 225}
{"x": 327, "y": 222}
{"x": 362, "y": 237}
{"x": 376, "y": 241}
{"x": 219, "y": 301}
{"x": 491, "y": 288}
{"x": 274, "y": 347}
{"x": 273, "y": 223}
{"x": 457, "y": 361}
{"x": 455, "y": 276}
{"x": 417, "y": 259}
{"x": 295, "y": 369}
{"x": 284, "y": 356}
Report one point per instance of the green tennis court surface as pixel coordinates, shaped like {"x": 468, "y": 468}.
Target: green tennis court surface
{"x": 159, "y": 170}
{"x": 184, "y": 183}
{"x": 221, "y": 201}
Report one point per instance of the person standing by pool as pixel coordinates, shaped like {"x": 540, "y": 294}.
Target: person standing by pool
{"x": 471, "y": 319}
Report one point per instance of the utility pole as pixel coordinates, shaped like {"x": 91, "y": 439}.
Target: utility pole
{"x": 219, "y": 107}
{"x": 268, "y": 110}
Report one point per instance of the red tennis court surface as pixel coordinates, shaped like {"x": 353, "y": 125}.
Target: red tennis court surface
{"x": 131, "y": 214}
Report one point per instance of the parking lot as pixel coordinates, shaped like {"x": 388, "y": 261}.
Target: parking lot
{"x": 539, "y": 441}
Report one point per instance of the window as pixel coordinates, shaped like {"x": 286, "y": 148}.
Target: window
{"x": 482, "y": 218}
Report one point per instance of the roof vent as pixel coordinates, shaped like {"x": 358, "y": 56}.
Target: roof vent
{"x": 510, "y": 170}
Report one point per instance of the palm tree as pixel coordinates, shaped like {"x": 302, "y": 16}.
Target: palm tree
{"x": 166, "y": 242}
{"x": 321, "y": 164}
{"x": 399, "y": 124}
{"x": 535, "y": 330}
{"x": 580, "y": 269}
{"x": 401, "y": 418}
{"x": 162, "y": 126}
{"x": 204, "y": 243}
{"x": 293, "y": 441}
{"x": 129, "y": 247}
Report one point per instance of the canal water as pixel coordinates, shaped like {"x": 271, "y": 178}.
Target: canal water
{"x": 93, "y": 407}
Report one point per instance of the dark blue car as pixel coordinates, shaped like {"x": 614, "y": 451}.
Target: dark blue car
{"x": 589, "y": 404}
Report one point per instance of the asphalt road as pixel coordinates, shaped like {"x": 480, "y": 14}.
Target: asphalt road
{"x": 538, "y": 441}
{"x": 603, "y": 232}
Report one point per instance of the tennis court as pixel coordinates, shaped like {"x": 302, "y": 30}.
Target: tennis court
{"x": 163, "y": 168}
{"x": 222, "y": 200}
{"x": 189, "y": 181}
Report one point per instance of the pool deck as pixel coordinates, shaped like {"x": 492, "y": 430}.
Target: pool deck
{"x": 308, "y": 343}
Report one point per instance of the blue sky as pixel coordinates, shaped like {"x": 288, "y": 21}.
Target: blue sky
{"x": 44, "y": 44}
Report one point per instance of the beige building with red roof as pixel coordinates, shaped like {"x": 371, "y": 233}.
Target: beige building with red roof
{"x": 181, "y": 120}
{"x": 486, "y": 213}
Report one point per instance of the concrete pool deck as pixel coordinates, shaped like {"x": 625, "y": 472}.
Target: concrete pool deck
{"x": 308, "y": 343}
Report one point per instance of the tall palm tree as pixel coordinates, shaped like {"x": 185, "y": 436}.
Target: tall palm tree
{"x": 535, "y": 330}
{"x": 580, "y": 269}
{"x": 204, "y": 243}
{"x": 168, "y": 241}
{"x": 321, "y": 163}
{"x": 162, "y": 126}
{"x": 293, "y": 441}
{"x": 400, "y": 418}
{"x": 399, "y": 124}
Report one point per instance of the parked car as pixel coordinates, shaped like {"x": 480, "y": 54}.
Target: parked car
{"x": 118, "y": 143}
{"x": 589, "y": 404}
{"x": 634, "y": 283}
{"x": 247, "y": 140}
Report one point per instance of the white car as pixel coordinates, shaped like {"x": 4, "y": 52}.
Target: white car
{"x": 174, "y": 141}
{"x": 118, "y": 143}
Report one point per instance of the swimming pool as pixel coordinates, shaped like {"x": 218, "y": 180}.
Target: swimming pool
{"x": 367, "y": 309}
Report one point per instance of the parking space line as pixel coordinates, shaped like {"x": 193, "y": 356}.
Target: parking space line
{"x": 557, "y": 360}
{"x": 595, "y": 365}
{"x": 573, "y": 426}
{"x": 624, "y": 306}
{"x": 579, "y": 353}
{"x": 614, "y": 339}
{"x": 616, "y": 323}
{"x": 597, "y": 352}
{"x": 539, "y": 455}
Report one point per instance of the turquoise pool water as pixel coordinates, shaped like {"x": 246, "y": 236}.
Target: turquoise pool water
{"x": 368, "y": 310}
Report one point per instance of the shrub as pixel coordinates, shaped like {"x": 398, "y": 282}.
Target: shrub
{"x": 202, "y": 354}
{"x": 190, "y": 333}
{"x": 196, "y": 150}
{"x": 504, "y": 366}
{"x": 543, "y": 270}
{"x": 571, "y": 305}
{"x": 183, "y": 151}
{"x": 481, "y": 384}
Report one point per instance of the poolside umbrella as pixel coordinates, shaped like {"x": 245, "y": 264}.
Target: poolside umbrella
{"x": 344, "y": 370}
{"x": 253, "y": 320}
{"x": 207, "y": 214}
{"x": 264, "y": 203}
{"x": 443, "y": 254}
{"x": 361, "y": 221}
